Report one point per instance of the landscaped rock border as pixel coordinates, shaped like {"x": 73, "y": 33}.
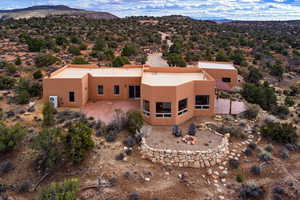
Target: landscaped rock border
{"x": 179, "y": 158}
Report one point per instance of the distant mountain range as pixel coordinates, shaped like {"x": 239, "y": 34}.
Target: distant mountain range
{"x": 46, "y": 10}
{"x": 215, "y": 19}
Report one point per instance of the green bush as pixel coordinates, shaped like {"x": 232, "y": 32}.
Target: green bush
{"x": 37, "y": 74}
{"x": 262, "y": 95}
{"x": 239, "y": 178}
{"x": 119, "y": 61}
{"x": 289, "y": 101}
{"x": 74, "y": 50}
{"x": 252, "y": 111}
{"x": 280, "y": 111}
{"x": 135, "y": 121}
{"x": 18, "y": 61}
{"x": 10, "y": 137}
{"x": 79, "y": 61}
{"x": 48, "y": 114}
{"x": 66, "y": 190}
{"x": 6, "y": 82}
{"x": 129, "y": 50}
{"x": 35, "y": 44}
{"x": 49, "y": 148}
{"x": 26, "y": 89}
{"x": 45, "y": 60}
{"x": 281, "y": 133}
{"x": 78, "y": 141}
{"x": 254, "y": 75}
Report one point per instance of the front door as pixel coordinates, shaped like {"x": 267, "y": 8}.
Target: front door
{"x": 134, "y": 91}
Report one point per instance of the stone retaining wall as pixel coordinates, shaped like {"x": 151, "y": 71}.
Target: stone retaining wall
{"x": 195, "y": 159}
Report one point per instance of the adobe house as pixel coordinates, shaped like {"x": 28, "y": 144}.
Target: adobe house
{"x": 167, "y": 95}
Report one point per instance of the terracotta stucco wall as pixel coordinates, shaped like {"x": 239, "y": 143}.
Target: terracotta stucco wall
{"x": 108, "y": 87}
{"x": 174, "y": 94}
{"x": 159, "y": 94}
{"x": 61, "y": 88}
{"x": 205, "y": 88}
{"x": 224, "y": 73}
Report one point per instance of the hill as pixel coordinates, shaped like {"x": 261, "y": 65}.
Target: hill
{"x": 46, "y": 10}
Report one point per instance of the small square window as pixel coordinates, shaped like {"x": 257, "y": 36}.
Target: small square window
{"x": 72, "y": 96}
{"x": 226, "y": 80}
{"x": 100, "y": 90}
{"x": 117, "y": 90}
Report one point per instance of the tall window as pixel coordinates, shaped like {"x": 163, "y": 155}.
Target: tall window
{"x": 226, "y": 79}
{"x": 182, "y": 106}
{"x": 72, "y": 96}
{"x": 202, "y": 101}
{"x": 163, "y": 109}
{"x": 100, "y": 90}
{"x": 116, "y": 89}
{"x": 146, "y": 107}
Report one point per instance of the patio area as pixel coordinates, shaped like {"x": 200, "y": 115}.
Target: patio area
{"x": 104, "y": 110}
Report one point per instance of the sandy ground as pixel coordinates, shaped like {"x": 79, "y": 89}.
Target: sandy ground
{"x": 161, "y": 137}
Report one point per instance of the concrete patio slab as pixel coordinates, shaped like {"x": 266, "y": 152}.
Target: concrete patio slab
{"x": 104, "y": 110}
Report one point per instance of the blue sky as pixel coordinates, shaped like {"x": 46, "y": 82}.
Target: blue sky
{"x": 230, "y": 9}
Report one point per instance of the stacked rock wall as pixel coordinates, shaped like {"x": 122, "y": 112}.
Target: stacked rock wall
{"x": 180, "y": 158}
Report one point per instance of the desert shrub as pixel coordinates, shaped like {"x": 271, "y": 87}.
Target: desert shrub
{"x": 129, "y": 142}
{"x": 111, "y": 136}
{"x": 251, "y": 191}
{"x": 18, "y": 61}
{"x": 284, "y": 153}
{"x": 233, "y": 163}
{"x": 262, "y": 95}
{"x": 74, "y": 50}
{"x": 37, "y": 74}
{"x": 269, "y": 148}
{"x": 239, "y": 178}
{"x": 10, "y": 137}
{"x": 120, "y": 156}
{"x": 26, "y": 89}
{"x": 289, "y": 101}
{"x": 281, "y": 133}
{"x": 79, "y": 61}
{"x": 248, "y": 151}
{"x": 35, "y": 44}
{"x": 264, "y": 156}
{"x": 252, "y": 111}
{"x": 280, "y": 111}
{"x": 176, "y": 131}
{"x": 6, "y": 82}
{"x": 129, "y": 50}
{"x": 45, "y": 60}
{"x": 78, "y": 141}
{"x": 135, "y": 121}
{"x": 119, "y": 61}
{"x": 24, "y": 187}
{"x": 66, "y": 190}
{"x": 5, "y": 167}
{"x": 11, "y": 68}
{"x": 48, "y": 114}
{"x": 120, "y": 119}
{"x": 252, "y": 146}
{"x": 49, "y": 147}
{"x": 134, "y": 196}
{"x": 192, "y": 129}
{"x": 254, "y": 75}
{"x": 255, "y": 170}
